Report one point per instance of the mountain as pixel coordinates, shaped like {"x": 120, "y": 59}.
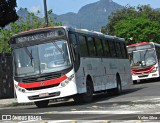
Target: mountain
{"x": 92, "y": 16}
{"x": 158, "y": 9}
{"x": 22, "y": 12}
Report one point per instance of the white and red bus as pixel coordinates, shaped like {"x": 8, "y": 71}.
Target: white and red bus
{"x": 59, "y": 62}
{"x": 144, "y": 58}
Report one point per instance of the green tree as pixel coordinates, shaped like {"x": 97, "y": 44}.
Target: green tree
{"x": 139, "y": 24}
{"x": 23, "y": 24}
{"x": 7, "y": 12}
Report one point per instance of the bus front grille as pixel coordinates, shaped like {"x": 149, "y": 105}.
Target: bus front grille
{"x": 143, "y": 76}
{"x": 145, "y": 70}
{"x": 43, "y": 87}
{"x": 42, "y": 78}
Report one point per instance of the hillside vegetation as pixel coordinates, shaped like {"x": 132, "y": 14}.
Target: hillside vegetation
{"x": 135, "y": 24}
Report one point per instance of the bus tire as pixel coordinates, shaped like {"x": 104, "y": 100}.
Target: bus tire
{"x": 88, "y": 96}
{"x": 85, "y": 97}
{"x": 42, "y": 104}
{"x": 117, "y": 90}
{"x": 77, "y": 98}
{"x": 135, "y": 82}
{"x": 119, "y": 85}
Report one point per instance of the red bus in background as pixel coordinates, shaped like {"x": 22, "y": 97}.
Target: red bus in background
{"x": 144, "y": 58}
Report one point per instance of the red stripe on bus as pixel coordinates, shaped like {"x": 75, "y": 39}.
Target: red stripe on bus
{"x": 138, "y": 44}
{"x": 144, "y": 70}
{"x": 42, "y": 83}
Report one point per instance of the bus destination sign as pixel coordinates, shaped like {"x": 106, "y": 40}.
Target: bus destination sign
{"x": 142, "y": 47}
{"x": 41, "y": 36}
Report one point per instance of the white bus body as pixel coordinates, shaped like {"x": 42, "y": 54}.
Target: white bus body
{"x": 67, "y": 62}
{"x": 144, "y": 59}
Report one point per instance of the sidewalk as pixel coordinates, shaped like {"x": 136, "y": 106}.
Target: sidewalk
{"x": 7, "y": 102}
{"x": 11, "y": 103}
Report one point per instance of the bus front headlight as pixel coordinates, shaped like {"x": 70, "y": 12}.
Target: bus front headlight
{"x": 154, "y": 70}
{"x": 20, "y": 89}
{"x": 64, "y": 83}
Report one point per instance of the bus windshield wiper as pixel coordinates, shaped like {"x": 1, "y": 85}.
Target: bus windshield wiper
{"x": 145, "y": 52}
{"x": 60, "y": 50}
{"x": 29, "y": 54}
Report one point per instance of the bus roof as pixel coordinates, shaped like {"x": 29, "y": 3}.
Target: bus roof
{"x": 37, "y": 29}
{"x": 138, "y": 44}
{"x": 143, "y": 43}
{"x": 95, "y": 33}
{"x": 84, "y": 31}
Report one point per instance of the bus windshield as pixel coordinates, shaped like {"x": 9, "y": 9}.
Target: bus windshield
{"x": 142, "y": 58}
{"x": 42, "y": 58}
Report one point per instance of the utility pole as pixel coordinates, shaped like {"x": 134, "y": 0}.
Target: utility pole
{"x": 46, "y": 13}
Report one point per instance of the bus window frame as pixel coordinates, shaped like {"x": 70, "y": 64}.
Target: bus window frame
{"x": 94, "y": 46}
{"x": 102, "y": 40}
{"x": 102, "y": 48}
{"x": 81, "y": 55}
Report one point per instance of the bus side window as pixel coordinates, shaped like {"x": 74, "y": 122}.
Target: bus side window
{"x": 118, "y": 50}
{"x": 124, "y": 50}
{"x": 83, "y": 46}
{"x": 106, "y": 47}
{"x": 99, "y": 47}
{"x": 112, "y": 49}
{"x": 73, "y": 39}
{"x": 158, "y": 52}
{"x": 75, "y": 46}
{"x": 91, "y": 45}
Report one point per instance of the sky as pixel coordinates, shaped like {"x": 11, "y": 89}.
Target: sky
{"x": 64, "y": 6}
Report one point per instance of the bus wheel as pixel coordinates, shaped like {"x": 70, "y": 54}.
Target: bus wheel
{"x": 119, "y": 86}
{"x": 42, "y": 104}
{"x": 135, "y": 82}
{"x": 86, "y": 97}
{"x": 117, "y": 90}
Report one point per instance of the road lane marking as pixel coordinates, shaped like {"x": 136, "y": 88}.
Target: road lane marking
{"x": 152, "y": 99}
{"x": 73, "y": 109}
{"x": 79, "y": 121}
{"x": 28, "y": 121}
{"x": 93, "y": 112}
{"x": 94, "y": 106}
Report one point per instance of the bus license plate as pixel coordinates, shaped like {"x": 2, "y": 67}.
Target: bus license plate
{"x": 43, "y": 94}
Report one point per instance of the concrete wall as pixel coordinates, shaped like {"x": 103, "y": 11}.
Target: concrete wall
{"x": 6, "y": 77}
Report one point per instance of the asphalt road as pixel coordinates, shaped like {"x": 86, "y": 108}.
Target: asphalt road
{"x": 137, "y": 102}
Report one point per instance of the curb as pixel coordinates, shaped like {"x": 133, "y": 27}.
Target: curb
{"x": 15, "y": 104}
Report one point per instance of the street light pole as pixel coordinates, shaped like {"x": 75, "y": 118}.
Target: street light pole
{"x": 46, "y": 13}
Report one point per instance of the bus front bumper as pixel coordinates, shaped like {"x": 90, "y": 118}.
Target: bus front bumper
{"x": 47, "y": 94}
{"x": 145, "y": 76}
